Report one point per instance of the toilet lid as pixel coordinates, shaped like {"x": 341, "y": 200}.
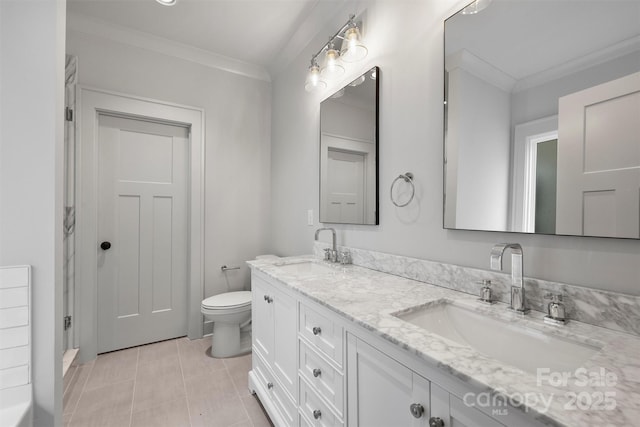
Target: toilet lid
{"x": 228, "y": 299}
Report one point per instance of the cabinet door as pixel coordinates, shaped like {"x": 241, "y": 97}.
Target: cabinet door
{"x": 381, "y": 390}
{"x": 262, "y": 318}
{"x": 285, "y": 338}
{"x": 454, "y": 412}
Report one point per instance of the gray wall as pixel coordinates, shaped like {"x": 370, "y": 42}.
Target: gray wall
{"x": 31, "y": 152}
{"x": 405, "y": 38}
{"x": 237, "y": 142}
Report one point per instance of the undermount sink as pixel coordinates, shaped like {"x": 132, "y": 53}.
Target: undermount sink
{"x": 305, "y": 268}
{"x": 524, "y": 348}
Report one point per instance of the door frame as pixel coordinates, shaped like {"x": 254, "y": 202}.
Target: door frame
{"x": 92, "y": 102}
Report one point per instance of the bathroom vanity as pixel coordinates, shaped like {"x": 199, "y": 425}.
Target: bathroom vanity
{"x": 335, "y": 345}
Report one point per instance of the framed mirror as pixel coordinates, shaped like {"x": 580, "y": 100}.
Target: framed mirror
{"x": 542, "y": 117}
{"x": 349, "y": 153}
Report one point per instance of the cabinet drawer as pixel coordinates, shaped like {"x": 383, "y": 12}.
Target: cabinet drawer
{"x": 315, "y": 410}
{"x": 327, "y": 380}
{"x": 322, "y": 332}
{"x": 275, "y": 391}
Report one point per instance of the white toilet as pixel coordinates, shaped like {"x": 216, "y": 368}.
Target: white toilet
{"x": 230, "y": 312}
{"x": 231, "y": 316}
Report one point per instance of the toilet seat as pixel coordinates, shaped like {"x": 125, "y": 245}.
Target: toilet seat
{"x": 228, "y": 300}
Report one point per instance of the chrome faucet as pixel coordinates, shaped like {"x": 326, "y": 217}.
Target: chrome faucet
{"x": 330, "y": 254}
{"x": 517, "y": 282}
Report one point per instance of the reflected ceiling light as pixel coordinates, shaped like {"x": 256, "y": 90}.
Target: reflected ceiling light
{"x": 475, "y": 7}
{"x": 167, "y": 2}
{"x": 374, "y": 74}
{"x": 313, "y": 81}
{"x": 351, "y": 50}
{"x": 358, "y": 81}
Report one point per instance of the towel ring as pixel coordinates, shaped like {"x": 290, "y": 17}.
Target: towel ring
{"x": 407, "y": 177}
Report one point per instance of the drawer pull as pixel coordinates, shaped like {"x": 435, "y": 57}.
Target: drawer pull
{"x": 417, "y": 410}
{"x": 317, "y": 372}
{"x": 268, "y": 299}
{"x": 269, "y": 386}
{"x": 316, "y": 330}
{"x": 317, "y": 414}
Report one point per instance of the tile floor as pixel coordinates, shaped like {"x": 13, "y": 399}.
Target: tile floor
{"x": 167, "y": 384}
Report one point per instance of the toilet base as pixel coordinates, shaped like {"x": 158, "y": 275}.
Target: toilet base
{"x": 229, "y": 341}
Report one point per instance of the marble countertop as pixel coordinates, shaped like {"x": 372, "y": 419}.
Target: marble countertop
{"x": 605, "y": 391}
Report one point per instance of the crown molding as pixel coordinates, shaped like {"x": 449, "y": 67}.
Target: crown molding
{"x": 593, "y": 59}
{"x": 480, "y": 68}
{"x": 77, "y": 23}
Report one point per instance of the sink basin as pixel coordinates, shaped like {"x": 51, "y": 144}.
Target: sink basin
{"x": 524, "y": 348}
{"x": 305, "y": 268}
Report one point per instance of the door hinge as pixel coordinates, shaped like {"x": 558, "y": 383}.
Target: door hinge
{"x": 68, "y": 114}
{"x": 67, "y": 322}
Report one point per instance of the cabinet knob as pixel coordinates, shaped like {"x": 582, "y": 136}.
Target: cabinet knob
{"x": 316, "y": 330}
{"x": 105, "y": 246}
{"x": 268, "y": 299}
{"x": 436, "y": 422}
{"x": 317, "y": 414}
{"x": 317, "y": 372}
{"x": 269, "y": 386}
{"x": 417, "y": 410}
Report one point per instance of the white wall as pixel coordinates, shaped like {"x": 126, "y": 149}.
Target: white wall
{"x": 31, "y": 153}
{"x": 483, "y": 152}
{"x": 405, "y": 39}
{"x": 237, "y": 146}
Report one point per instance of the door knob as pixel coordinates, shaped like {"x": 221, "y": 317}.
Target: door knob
{"x": 105, "y": 246}
{"x": 417, "y": 410}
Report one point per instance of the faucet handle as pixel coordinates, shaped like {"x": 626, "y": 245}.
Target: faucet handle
{"x": 485, "y": 291}
{"x": 344, "y": 257}
{"x": 553, "y": 297}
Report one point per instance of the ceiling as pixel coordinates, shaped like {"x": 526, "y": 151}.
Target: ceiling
{"x": 251, "y": 31}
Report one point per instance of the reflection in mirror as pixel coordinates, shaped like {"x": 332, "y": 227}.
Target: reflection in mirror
{"x": 542, "y": 118}
{"x": 349, "y": 153}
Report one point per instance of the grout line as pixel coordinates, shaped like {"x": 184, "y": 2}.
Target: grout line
{"x": 184, "y": 383}
{"x": 82, "y": 387}
{"x": 135, "y": 380}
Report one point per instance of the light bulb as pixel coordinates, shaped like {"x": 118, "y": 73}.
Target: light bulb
{"x": 352, "y": 47}
{"x": 332, "y": 67}
{"x": 313, "y": 81}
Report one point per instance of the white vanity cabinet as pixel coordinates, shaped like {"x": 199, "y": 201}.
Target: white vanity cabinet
{"x": 384, "y": 392}
{"x": 274, "y": 330}
{"x": 320, "y": 366}
{"x": 381, "y": 391}
{"x": 313, "y": 367}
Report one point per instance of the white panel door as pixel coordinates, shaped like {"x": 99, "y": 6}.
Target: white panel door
{"x": 346, "y": 183}
{"x": 599, "y": 160}
{"x": 142, "y": 277}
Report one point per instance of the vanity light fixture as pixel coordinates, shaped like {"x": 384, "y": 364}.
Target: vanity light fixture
{"x": 313, "y": 81}
{"x": 332, "y": 68}
{"x": 167, "y": 2}
{"x": 351, "y": 50}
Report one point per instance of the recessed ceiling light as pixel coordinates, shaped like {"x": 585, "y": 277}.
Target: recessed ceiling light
{"x": 167, "y": 2}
